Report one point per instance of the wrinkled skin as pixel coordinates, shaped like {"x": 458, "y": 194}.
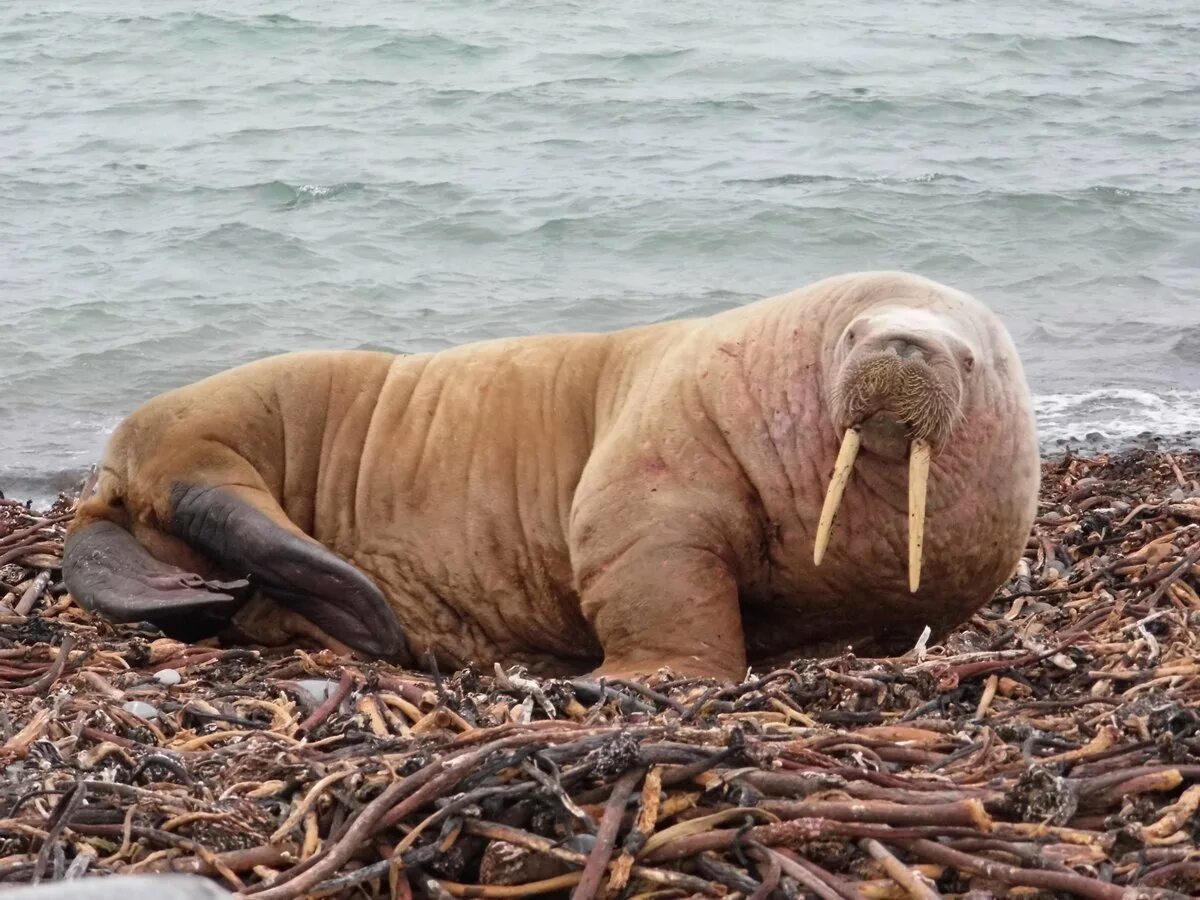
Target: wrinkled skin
{"x": 627, "y": 501}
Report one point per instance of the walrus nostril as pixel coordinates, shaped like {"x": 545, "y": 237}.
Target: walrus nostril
{"x": 906, "y": 349}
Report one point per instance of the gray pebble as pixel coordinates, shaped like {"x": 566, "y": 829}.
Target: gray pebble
{"x": 580, "y": 843}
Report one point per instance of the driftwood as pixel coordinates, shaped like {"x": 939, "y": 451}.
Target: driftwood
{"x": 1051, "y": 747}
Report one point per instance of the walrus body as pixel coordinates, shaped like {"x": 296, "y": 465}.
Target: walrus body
{"x": 629, "y": 500}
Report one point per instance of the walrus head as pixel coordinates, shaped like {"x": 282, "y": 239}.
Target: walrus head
{"x": 900, "y": 378}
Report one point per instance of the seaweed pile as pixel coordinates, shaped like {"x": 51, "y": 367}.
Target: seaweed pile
{"x": 1049, "y": 748}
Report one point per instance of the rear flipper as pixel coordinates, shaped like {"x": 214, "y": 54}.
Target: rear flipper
{"x": 244, "y": 530}
{"x": 241, "y": 531}
{"x": 109, "y": 572}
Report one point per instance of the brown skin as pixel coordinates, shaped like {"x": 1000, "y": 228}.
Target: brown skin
{"x": 627, "y": 501}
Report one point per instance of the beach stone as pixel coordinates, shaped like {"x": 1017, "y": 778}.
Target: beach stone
{"x": 318, "y": 689}
{"x": 124, "y": 887}
{"x": 580, "y": 843}
{"x": 169, "y": 677}
{"x": 141, "y": 709}
{"x": 1055, "y": 569}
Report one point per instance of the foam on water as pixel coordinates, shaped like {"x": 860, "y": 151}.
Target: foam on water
{"x": 1115, "y": 417}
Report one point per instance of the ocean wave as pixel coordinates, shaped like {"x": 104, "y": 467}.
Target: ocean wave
{"x": 802, "y": 178}
{"x": 242, "y": 238}
{"x": 620, "y": 56}
{"x": 1088, "y": 41}
{"x": 322, "y": 130}
{"x": 283, "y": 19}
{"x": 209, "y": 24}
{"x": 419, "y": 45}
{"x": 293, "y": 196}
{"x": 1117, "y": 416}
{"x": 1132, "y": 205}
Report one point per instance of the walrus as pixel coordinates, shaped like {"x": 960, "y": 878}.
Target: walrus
{"x": 839, "y": 466}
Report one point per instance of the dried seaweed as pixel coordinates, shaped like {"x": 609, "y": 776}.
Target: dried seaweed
{"x": 1051, "y": 747}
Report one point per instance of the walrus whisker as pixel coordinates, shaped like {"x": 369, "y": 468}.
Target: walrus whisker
{"x": 833, "y": 496}
{"x": 918, "y": 484}
{"x": 908, "y": 391}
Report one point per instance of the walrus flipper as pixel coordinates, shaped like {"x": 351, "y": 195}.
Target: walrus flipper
{"x": 109, "y": 572}
{"x": 292, "y": 568}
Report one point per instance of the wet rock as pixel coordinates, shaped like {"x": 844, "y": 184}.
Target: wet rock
{"x": 580, "y": 843}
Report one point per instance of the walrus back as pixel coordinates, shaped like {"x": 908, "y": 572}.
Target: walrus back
{"x": 270, "y": 412}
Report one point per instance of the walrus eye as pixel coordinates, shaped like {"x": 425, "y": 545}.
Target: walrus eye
{"x": 968, "y": 363}
{"x": 850, "y": 336}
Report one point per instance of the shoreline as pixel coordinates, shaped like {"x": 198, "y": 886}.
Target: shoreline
{"x": 1059, "y": 725}
{"x": 39, "y": 491}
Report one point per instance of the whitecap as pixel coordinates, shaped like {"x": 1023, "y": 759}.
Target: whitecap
{"x": 1117, "y": 416}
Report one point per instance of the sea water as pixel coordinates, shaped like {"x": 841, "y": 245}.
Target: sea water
{"x": 185, "y": 186}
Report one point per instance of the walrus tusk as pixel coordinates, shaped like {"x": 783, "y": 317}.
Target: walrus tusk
{"x": 918, "y": 484}
{"x": 833, "y": 496}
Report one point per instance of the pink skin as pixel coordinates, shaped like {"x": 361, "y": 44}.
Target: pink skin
{"x": 768, "y": 391}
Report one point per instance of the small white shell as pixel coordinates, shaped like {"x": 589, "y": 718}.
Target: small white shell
{"x": 141, "y": 710}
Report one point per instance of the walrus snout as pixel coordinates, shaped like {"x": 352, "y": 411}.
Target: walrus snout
{"x": 907, "y": 347}
{"x": 905, "y": 366}
{"x": 917, "y": 389}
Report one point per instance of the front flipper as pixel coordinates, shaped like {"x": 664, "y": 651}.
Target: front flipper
{"x": 245, "y": 531}
{"x": 109, "y": 572}
{"x": 664, "y": 606}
